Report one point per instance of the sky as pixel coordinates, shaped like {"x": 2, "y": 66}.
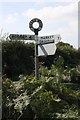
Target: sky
{"x": 58, "y": 17}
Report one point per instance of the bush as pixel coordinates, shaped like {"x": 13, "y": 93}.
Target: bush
{"x": 48, "y": 98}
{"x": 18, "y": 58}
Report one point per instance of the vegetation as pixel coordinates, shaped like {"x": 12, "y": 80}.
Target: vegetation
{"x": 17, "y": 58}
{"x": 55, "y": 96}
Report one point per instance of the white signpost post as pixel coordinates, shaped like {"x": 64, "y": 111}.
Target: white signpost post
{"x": 44, "y": 45}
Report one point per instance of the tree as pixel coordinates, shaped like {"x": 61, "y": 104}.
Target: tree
{"x": 18, "y": 58}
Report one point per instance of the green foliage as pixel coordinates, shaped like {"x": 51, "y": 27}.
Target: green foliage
{"x": 68, "y": 54}
{"x": 55, "y": 96}
{"x": 18, "y": 58}
{"x": 52, "y": 97}
{"x": 75, "y": 75}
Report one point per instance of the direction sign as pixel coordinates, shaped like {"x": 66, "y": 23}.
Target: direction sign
{"x": 41, "y": 39}
{"x": 21, "y": 37}
{"x": 47, "y": 39}
{"x": 46, "y": 49}
{"x": 45, "y": 42}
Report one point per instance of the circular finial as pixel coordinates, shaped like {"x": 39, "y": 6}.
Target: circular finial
{"x": 31, "y": 23}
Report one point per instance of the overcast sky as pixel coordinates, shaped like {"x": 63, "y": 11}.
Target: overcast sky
{"x": 57, "y": 17}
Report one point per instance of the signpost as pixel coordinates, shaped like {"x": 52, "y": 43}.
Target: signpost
{"x": 36, "y": 30}
{"x": 44, "y": 45}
